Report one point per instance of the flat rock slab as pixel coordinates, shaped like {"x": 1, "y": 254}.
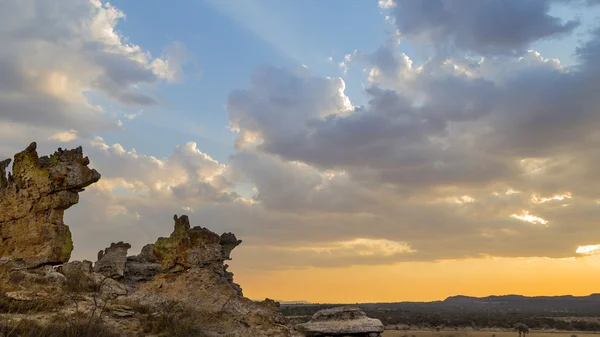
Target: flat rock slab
{"x": 341, "y": 321}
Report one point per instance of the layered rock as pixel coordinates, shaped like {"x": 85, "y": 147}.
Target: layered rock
{"x": 194, "y": 274}
{"x": 142, "y": 267}
{"x": 33, "y": 199}
{"x": 192, "y": 247}
{"x": 111, "y": 261}
{"x": 84, "y": 266}
{"x": 186, "y": 268}
{"x": 341, "y": 321}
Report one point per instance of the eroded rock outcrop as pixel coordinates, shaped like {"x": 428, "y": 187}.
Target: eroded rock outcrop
{"x": 192, "y": 247}
{"x": 341, "y": 321}
{"x": 33, "y": 199}
{"x": 142, "y": 267}
{"x": 187, "y": 268}
{"x": 84, "y": 266}
{"x": 194, "y": 274}
{"x": 111, "y": 261}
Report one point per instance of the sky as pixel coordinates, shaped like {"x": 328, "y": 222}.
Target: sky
{"x": 364, "y": 151}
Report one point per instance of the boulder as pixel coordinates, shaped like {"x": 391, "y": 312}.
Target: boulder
{"x": 33, "y": 199}
{"x": 142, "y": 267}
{"x": 107, "y": 287}
{"x": 111, "y": 261}
{"x": 341, "y": 321}
{"x": 56, "y": 277}
{"x": 84, "y": 266}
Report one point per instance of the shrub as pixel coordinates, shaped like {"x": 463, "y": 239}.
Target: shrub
{"x": 171, "y": 319}
{"x": 78, "y": 282}
{"x": 16, "y": 278}
{"x": 136, "y": 306}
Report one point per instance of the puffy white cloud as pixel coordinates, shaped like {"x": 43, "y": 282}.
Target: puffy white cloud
{"x": 138, "y": 194}
{"x": 54, "y": 53}
{"x": 64, "y": 136}
{"x": 449, "y": 158}
{"x": 187, "y": 173}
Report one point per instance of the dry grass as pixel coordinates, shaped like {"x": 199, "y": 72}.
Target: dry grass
{"x": 59, "y": 328}
{"x": 139, "y": 308}
{"x": 170, "y": 320}
{"x": 40, "y": 304}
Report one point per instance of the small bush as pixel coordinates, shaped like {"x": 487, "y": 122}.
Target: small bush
{"x": 16, "y": 278}
{"x": 78, "y": 282}
{"x": 171, "y": 319}
{"x": 136, "y": 306}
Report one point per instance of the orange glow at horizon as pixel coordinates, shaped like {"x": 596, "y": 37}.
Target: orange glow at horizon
{"x": 424, "y": 281}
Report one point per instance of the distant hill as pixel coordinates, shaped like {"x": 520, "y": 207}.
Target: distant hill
{"x": 293, "y": 302}
{"x": 564, "y": 303}
{"x": 549, "y": 304}
{"x": 567, "y": 312}
{"x": 519, "y": 298}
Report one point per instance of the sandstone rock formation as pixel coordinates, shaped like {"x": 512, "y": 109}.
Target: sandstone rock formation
{"x": 142, "y": 267}
{"x": 111, "y": 261}
{"x": 32, "y": 202}
{"x": 84, "y": 266}
{"x": 187, "y": 268}
{"x": 192, "y": 247}
{"x": 341, "y": 321}
{"x": 194, "y": 275}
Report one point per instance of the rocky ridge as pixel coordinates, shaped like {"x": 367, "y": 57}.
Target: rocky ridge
{"x": 185, "y": 272}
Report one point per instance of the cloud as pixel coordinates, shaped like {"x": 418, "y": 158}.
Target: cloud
{"x": 588, "y": 250}
{"x": 186, "y": 174}
{"x": 170, "y": 66}
{"x": 484, "y": 27}
{"x": 297, "y": 187}
{"x": 451, "y": 157}
{"x": 138, "y": 194}
{"x": 445, "y": 156}
{"x": 56, "y": 54}
{"x": 525, "y": 216}
{"x": 64, "y": 136}
{"x": 279, "y": 103}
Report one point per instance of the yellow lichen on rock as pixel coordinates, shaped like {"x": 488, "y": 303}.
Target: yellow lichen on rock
{"x": 32, "y": 203}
